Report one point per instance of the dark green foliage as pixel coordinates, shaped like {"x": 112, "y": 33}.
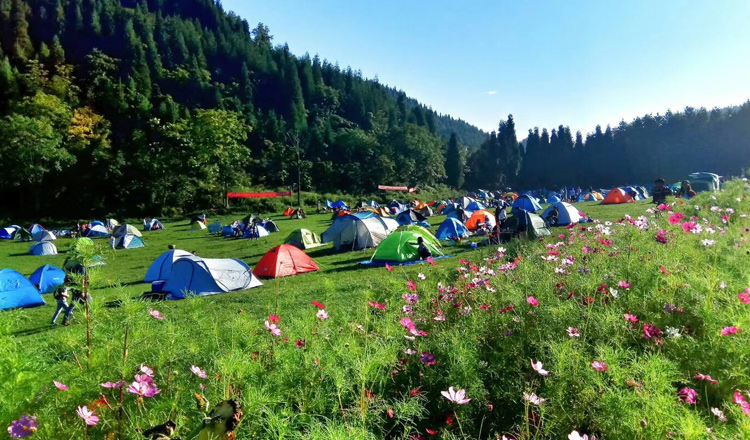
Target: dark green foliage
{"x": 455, "y": 161}
{"x": 140, "y": 78}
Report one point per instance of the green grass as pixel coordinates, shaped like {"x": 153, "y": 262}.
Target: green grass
{"x": 352, "y": 368}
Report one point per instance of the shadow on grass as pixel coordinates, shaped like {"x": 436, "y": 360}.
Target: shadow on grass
{"x": 34, "y": 331}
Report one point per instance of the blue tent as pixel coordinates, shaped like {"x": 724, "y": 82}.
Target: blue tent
{"x": 633, "y": 192}
{"x": 97, "y": 223}
{"x": 475, "y": 206}
{"x": 340, "y": 204}
{"x": 35, "y": 228}
{"x": 567, "y": 214}
{"x": 197, "y": 276}
{"x": 228, "y": 231}
{"x": 553, "y": 199}
{"x": 47, "y": 278}
{"x": 162, "y": 266}
{"x": 96, "y": 231}
{"x": 43, "y": 248}
{"x": 329, "y": 205}
{"x": 374, "y": 204}
{"x": 16, "y": 291}
{"x": 129, "y": 241}
{"x": 9, "y": 233}
{"x": 526, "y": 203}
{"x": 451, "y": 228}
{"x": 260, "y": 232}
{"x": 412, "y": 217}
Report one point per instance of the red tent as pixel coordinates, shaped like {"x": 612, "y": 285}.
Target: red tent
{"x": 283, "y": 261}
{"x": 288, "y": 212}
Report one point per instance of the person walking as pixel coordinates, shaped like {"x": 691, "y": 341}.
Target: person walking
{"x": 62, "y": 296}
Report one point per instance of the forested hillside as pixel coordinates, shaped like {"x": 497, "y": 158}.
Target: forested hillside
{"x": 167, "y": 103}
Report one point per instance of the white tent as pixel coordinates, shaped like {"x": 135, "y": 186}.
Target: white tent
{"x": 359, "y": 231}
{"x": 45, "y": 236}
{"x": 162, "y": 266}
{"x": 567, "y": 214}
{"x": 197, "y": 276}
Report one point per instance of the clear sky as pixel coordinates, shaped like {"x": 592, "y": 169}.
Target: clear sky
{"x": 576, "y": 63}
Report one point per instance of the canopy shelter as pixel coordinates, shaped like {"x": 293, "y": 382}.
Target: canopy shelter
{"x": 47, "y": 278}
{"x": 303, "y": 239}
{"x": 17, "y": 292}
{"x": 162, "y": 266}
{"x": 283, "y": 261}
{"x": 195, "y": 276}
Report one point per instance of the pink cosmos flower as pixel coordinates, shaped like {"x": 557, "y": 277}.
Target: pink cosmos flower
{"x": 155, "y": 314}
{"x": 274, "y": 319}
{"x": 706, "y": 377}
{"x": 651, "y": 331}
{"x": 60, "y": 386}
{"x": 407, "y": 324}
{"x": 664, "y": 270}
{"x": 144, "y": 378}
{"x": 113, "y": 384}
{"x": 630, "y": 318}
{"x": 457, "y": 397}
{"x": 431, "y": 261}
{"x": 533, "y": 301}
{"x": 688, "y": 227}
{"x": 273, "y": 329}
{"x": 739, "y": 399}
{"x": 537, "y": 366}
{"x": 663, "y": 207}
{"x": 198, "y": 372}
{"x": 744, "y": 296}
{"x": 600, "y": 366}
{"x": 143, "y": 389}
{"x": 388, "y": 267}
{"x": 146, "y": 370}
{"x": 573, "y": 332}
{"x": 376, "y": 305}
{"x": 318, "y": 305}
{"x": 23, "y": 427}
{"x": 731, "y": 330}
{"x": 533, "y": 399}
{"x": 322, "y": 314}
{"x": 585, "y": 249}
{"x": 411, "y": 285}
{"x": 575, "y": 435}
{"x": 624, "y": 284}
{"x": 676, "y": 218}
{"x": 88, "y": 416}
{"x": 688, "y": 395}
{"x": 719, "y": 414}
{"x": 661, "y": 236}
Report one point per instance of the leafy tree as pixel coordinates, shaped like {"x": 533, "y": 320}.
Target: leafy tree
{"x": 454, "y": 163}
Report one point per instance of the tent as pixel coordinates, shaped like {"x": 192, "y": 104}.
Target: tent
{"x": 411, "y": 216}
{"x": 303, "y": 239}
{"x": 475, "y": 206}
{"x": 112, "y": 223}
{"x": 589, "y": 196}
{"x": 198, "y": 218}
{"x": 154, "y": 225}
{"x": 35, "y": 228}
{"x": 283, "y": 261}
{"x": 402, "y": 246}
{"x": 288, "y": 212}
{"x": 9, "y": 233}
{"x": 704, "y": 181}
{"x": 382, "y": 211}
{"x": 553, "y": 199}
{"x": 47, "y": 278}
{"x": 43, "y": 248}
{"x": 374, "y": 204}
{"x": 270, "y": 226}
{"x": 478, "y": 217}
{"x": 97, "y": 223}
{"x": 125, "y": 229}
{"x": 340, "y": 204}
{"x": 129, "y": 241}
{"x": 358, "y": 231}
{"x": 214, "y": 228}
{"x": 633, "y": 192}
{"x": 96, "y": 231}
{"x": 567, "y": 214}
{"x": 451, "y": 229}
{"x": 260, "y": 231}
{"x": 162, "y": 266}
{"x": 464, "y": 202}
{"x": 193, "y": 275}
{"x": 526, "y": 203}
{"x": 228, "y": 231}
{"x": 426, "y": 211}
{"x": 617, "y": 196}
{"x": 17, "y": 292}
{"x": 23, "y": 234}
{"x": 197, "y": 226}
{"x": 528, "y": 223}
{"x": 45, "y": 236}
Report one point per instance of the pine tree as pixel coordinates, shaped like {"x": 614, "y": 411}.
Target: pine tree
{"x": 20, "y": 42}
{"x": 454, "y": 163}
{"x": 57, "y": 53}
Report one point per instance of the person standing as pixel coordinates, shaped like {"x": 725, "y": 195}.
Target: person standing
{"x": 501, "y": 213}
{"x": 62, "y": 296}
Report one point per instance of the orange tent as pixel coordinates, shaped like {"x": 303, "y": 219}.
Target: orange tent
{"x": 479, "y": 216}
{"x": 617, "y": 196}
{"x": 288, "y": 212}
{"x": 283, "y": 261}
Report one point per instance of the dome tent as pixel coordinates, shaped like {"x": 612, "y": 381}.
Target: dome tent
{"x": 125, "y": 229}
{"x": 36, "y": 228}
{"x": 616, "y": 197}
{"x": 96, "y": 232}
{"x": 410, "y": 216}
{"x": 452, "y": 228}
{"x": 197, "y": 226}
{"x": 303, "y": 239}
{"x": 283, "y": 261}
{"x": 47, "y": 278}
{"x": 553, "y": 199}
{"x": 478, "y": 217}
{"x": 17, "y": 292}
{"x": 129, "y": 241}
{"x": 43, "y": 248}
{"x": 358, "y": 231}
{"x": 402, "y": 245}
{"x": 193, "y": 275}
{"x": 23, "y": 234}
{"x": 568, "y": 214}
{"x": 45, "y": 236}
{"x": 9, "y": 232}
{"x": 526, "y": 203}
{"x": 260, "y": 232}
{"x": 162, "y": 266}
{"x": 270, "y": 226}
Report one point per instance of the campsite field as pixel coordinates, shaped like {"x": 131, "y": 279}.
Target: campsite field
{"x": 353, "y": 375}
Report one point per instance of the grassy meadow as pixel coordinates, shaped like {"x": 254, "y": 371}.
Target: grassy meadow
{"x": 369, "y": 372}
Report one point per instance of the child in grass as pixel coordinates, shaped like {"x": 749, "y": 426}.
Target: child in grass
{"x": 62, "y": 296}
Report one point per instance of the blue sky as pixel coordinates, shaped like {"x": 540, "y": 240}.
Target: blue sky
{"x": 548, "y": 63}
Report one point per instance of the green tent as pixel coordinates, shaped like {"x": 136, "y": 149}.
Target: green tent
{"x": 528, "y": 223}
{"x": 401, "y": 245}
{"x": 422, "y": 231}
{"x": 303, "y": 239}
{"x": 23, "y": 234}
